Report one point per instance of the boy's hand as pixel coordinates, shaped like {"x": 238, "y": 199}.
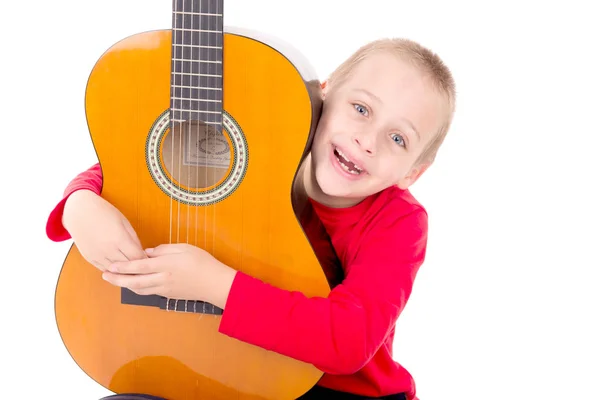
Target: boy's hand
{"x": 177, "y": 271}
{"x": 101, "y": 232}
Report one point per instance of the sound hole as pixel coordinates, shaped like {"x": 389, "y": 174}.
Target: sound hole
{"x": 196, "y": 155}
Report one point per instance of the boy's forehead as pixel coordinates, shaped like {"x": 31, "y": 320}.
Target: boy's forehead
{"x": 385, "y": 77}
{"x": 400, "y": 86}
{"x": 383, "y": 66}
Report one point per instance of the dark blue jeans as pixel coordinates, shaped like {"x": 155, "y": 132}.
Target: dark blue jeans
{"x": 316, "y": 393}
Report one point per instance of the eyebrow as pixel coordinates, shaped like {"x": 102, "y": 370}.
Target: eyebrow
{"x": 377, "y": 99}
{"x": 412, "y": 126}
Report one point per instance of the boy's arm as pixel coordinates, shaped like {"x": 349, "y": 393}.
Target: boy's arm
{"x": 338, "y": 334}
{"x": 90, "y": 179}
{"x": 341, "y": 333}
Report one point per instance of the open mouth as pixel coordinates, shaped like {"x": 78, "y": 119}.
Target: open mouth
{"x": 345, "y": 163}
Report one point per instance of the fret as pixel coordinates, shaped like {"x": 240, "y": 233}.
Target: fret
{"x": 197, "y": 30}
{"x": 199, "y": 54}
{"x": 210, "y": 117}
{"x": 178, "y": 93}
{"x": 198, "y": 68}
{"x": 198, "y": 6}
{"x": 193, "y": 88}
{"x": 199, "y": 112}
{"x": 198, "y": 72}
{"x": 198, "y": 93}
{"x": 190, "y": 74}
{"x": 197, "y": 13}
{"x": 198, "y": 46}
{"x": 197, "y": 22}
{"x": 197, "y": 60}
{"x": 218, "y": 124}
{"x": 190, "y": 86}
{"x": 183, "y": 104}
{"x": 192, "y": 99}
{"x": 197, "y": 38}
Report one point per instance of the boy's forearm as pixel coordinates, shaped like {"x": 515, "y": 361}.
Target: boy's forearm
{"x": 338, "y": 335}
{"x": 90, "y": 179}
{"x": 72, "y": 202}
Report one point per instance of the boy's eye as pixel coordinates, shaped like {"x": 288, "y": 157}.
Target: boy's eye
{"x": 398, "y": 139}
{"x": 360, "y": 109}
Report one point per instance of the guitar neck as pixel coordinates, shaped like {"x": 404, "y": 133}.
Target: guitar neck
{"x": 197, "y": 65}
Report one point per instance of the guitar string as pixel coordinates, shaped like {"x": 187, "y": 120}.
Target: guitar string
{"x": 172, "y": 122}
{"x": 206, "y": 129}
{"x": 208, "y": 107}
{"x": 181, "y": 124}
{"x": 202, "y": 124}
{"x": 189, "y": 51}
{"x": 219, "y": 46}
{"x": 197, "y": 189}
{"x": 185, "y": 115}
{"x": 219, "y": 128}
{"x": 181, "y": 64}
{"x": 210, "y": 94}
{"x": 207, "y": 126}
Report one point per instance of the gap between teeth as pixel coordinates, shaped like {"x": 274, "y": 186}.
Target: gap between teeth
{"x": 358, "y": 169}
{"x": 355, "y": 172}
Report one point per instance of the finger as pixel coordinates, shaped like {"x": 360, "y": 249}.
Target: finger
{"x": 115, "y": 256}
{"x": 99, "y": 265}
{"x": 107, "y": 261}
{"x": 149, "y": 290}
{"x": 143, "y": 266}
{"x": 164, "y": 249}
{"x": 131, "y": 250}
{"x": 131, "y": 246}
{"x": 136, "y": 283}
{"x": 132, "y": 233}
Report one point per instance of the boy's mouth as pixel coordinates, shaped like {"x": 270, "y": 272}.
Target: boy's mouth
{"x": 345, "y": 163}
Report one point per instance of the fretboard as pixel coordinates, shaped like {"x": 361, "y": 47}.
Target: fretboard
{"x": 197, "y": 65}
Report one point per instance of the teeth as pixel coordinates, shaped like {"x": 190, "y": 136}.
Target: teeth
{"x": 342, "y": 154}
{"x": 357, "y": 169}
{"x": 354, "y": 172}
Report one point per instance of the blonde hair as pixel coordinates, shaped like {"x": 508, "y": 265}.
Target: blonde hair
{"x": 424, "y": 60}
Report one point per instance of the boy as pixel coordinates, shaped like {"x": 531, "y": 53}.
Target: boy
{"x": 386, "y": 112}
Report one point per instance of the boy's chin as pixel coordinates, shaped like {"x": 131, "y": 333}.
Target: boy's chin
{"x": 340, "y": 190}
{"x": 347, "y": 192}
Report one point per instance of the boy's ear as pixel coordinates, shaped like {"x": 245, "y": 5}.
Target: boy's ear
{"x": 412, "y": 177}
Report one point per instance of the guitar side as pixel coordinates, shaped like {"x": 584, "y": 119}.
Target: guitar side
{"x": 272, "y": 105}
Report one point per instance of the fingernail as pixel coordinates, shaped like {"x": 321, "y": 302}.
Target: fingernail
{"x": 150, "y": 250}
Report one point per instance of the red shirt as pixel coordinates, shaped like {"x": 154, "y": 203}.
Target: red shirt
{"x": 381, "y": 243}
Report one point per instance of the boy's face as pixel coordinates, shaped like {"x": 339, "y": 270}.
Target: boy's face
{"x": 374, "y": 126}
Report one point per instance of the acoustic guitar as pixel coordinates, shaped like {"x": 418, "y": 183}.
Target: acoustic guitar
{"x": 200, "y": 132}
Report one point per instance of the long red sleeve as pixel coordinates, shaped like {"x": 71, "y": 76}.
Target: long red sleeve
{"x": 341, "y": 333}
{"x": 348, "y": 335}
{"x": 91, "y": 179}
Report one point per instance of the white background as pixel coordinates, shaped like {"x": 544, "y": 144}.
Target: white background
{"x": 506, "y": 305}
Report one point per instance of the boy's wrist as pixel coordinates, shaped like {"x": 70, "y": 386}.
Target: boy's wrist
{"x": 223, "y": 287}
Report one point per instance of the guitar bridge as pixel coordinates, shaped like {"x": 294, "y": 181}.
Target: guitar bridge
{"x": 163, "y": 303}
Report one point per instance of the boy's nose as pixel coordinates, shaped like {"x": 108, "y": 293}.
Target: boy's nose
{"x": 366, "y": 143}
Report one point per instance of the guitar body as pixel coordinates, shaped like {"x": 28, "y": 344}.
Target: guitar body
{"x": 236, "y": 204}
